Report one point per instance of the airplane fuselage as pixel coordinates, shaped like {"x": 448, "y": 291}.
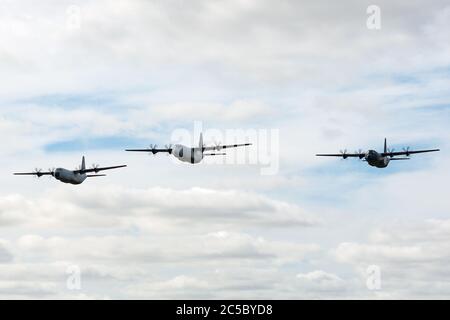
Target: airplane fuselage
{"x": 68, "y": 176}
{"x": 187, "y": 154}
{"x": 375, "y": 159}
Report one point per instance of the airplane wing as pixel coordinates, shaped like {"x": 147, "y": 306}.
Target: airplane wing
{"x": 152, "y": 150}
{"x": 221, "y": 147}
{"x": 407, "y": 152}
{"x": 97, "y": 169}
{"x": 342, "y": 155}
{"x": 36, "y": 173}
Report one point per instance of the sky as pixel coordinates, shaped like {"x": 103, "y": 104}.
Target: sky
{"x": 272, "y": 221}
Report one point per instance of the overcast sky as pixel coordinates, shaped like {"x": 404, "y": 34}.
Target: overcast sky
{"x": 95, "y": 77}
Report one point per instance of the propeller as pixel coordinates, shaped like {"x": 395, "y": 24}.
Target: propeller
{"x": 215, "y": 154}
{"x": 217, "y": 146}
{"x": 406, "y": 150}
{"x": 344, "y": 153}
{"x": 95, "y": 167}
{"x": 391, "y": 151}
{"x": 38, "y": 172}
{"x": 360, "y": 153}
{"x": 169, "y": 147}
{"x": 153, "y": 148}
{"x": 52, "y": 171}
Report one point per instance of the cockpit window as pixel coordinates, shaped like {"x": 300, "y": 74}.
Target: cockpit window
{"x": 181, "y": 152}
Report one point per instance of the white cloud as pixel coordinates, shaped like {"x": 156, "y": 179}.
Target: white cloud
{"x": 140, "y": 68}
{"x": 319, "y": 276}
{"x": 322, "y": 284}
{"x": 5, "y": 255}
{"x": 142, "y": 40}
{"x": 154, "y": 209}
{"x": 413, "y": 259}
{"x": 221, "y": 261}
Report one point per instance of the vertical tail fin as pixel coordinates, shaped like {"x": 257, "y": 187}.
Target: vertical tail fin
{"x": 201, "y": 141}
{"x": 83, "y": 164}
{"x": 385, "y": 146}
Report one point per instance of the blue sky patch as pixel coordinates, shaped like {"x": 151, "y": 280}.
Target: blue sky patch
{"x": 104, "y": 143}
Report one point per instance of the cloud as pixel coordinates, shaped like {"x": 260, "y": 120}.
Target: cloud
{"x": 413, "y": 259}
{"x": 238, "y": 111}
{"x": 214, "y": 249}
{"x": 146, "y": 40}
{"x": 136, "y": 70}
{"x": 151, "y": 209}
{"x": 5, "y": 255}
{"x": 219, "y": 262}
{"x": 321, "y": 283}
{"x": 319, "y": 276}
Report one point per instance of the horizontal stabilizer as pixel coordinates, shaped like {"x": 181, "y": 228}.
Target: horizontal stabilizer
{"x": 95, "y": 175}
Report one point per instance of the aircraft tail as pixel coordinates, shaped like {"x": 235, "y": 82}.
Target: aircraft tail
{"x": 385, "y": 146}
{"x": 83, "y": 164}
{"x": 201, "y": 141}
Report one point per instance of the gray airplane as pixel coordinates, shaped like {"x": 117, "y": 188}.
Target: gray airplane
{"x": 76, "y": 177}
{"x": 188, "y": 154}
{"x": 376, "y": 159}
